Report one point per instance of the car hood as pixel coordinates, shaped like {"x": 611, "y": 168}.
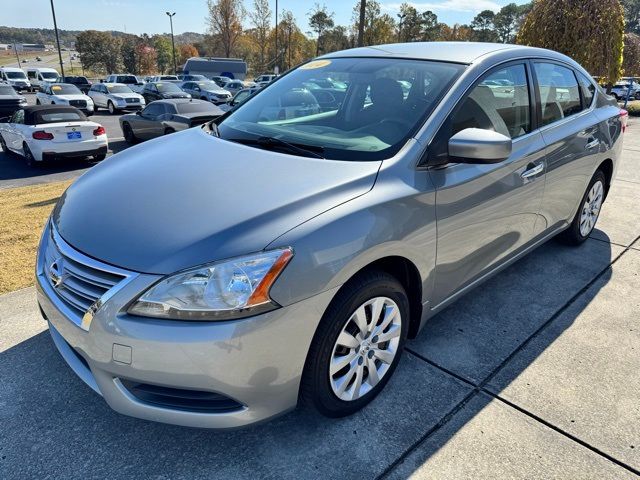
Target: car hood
{"x": 190, "y": 198}
{"x": 122, "y": 96}
{"x": 72, "y": 97}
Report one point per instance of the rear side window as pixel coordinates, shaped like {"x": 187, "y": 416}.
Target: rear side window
{"x": 588, "y": 89}
{"x": 500, "y": 102}
{"x": 559, "y": 92}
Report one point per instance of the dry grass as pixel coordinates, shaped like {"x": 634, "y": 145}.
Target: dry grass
{"x": 23, "y": 213}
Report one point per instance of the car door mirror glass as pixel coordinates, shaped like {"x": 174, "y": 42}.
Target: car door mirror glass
{"x": 475, "y": 145}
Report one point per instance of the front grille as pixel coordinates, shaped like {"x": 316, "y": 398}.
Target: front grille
{"x": 76, "y": 280}
{"x": 132, "y": 100}
{"x": 181, "y": 399}
{"x": 78, "y": 103}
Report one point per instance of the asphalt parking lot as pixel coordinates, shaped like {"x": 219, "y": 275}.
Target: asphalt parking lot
{"x": 532, "y": 375}
{"x": 14, "y": 173}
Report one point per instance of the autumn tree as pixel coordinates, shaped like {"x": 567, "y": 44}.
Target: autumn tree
{"x": 631, "y": 58}
{"x": 378, "y": 28}
{"x": 164, "y": 53}
{"x": 147, "y": 59}
{"x": 589, "y": 31}
{"x": 336, "y": 39}
{"x": 320, "y": 20}
{"x": 260, "y": 18}
{"x": 185, "y": 52}
{"x": 225, "y": 22}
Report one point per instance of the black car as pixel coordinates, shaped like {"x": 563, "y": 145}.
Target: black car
{"x": 79, "y": 81}
{"x": 161, "y": 91}
{"x": 10, "y": 100}
{"x": 163, "y": 117}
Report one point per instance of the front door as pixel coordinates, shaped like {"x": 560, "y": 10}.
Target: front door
{"x": 485, "y": 212}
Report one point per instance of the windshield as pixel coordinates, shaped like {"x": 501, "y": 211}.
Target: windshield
{"x": 386, "y": 101}
{"x": 49, "y": 75}
{"x": 16, "y": 75}
{"x": 127, "y": 79}
{"x": 61, "y": 117}
{"x": 65, "y": 89}
{"x": 7, "y": 90}
{"x": 167, "y": 87}
{"x": 209, "y": 86}
{"x": 119, "y": 89}
{"x": 168, "y": 77}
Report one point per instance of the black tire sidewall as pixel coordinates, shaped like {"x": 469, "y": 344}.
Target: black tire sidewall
{"x": 316, "y": 388}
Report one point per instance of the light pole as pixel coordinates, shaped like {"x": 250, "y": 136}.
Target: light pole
{"x": 276, "y": 69}
{"x": 173, "y": 45}
{"x": 15, "y": 49}
{"x": 401, "y": 17}
{"x": 55, "y": 26}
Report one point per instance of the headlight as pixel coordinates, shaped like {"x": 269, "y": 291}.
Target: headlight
{"x": 120, "y": 101}
{"x": 223, "y": 290}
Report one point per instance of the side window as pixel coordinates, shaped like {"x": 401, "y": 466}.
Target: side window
{"x": 500, "y": 102}
{"x": 153, "y": 111}
{"x": 559, "y": 92}
{"x": 588, "y": 89}
{"x": 31, "y": 74}
{"x": 18, "y": 117}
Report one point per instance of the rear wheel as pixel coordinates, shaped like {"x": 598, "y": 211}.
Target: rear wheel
{"x": 127, "y": 131}
{"x": 357, "y": 345}
{"x": 100, "y": 157}
{"x": 169, "y": 131}
{"x": 587, "y": 215}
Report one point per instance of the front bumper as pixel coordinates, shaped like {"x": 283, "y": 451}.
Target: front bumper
{"x": 257, "y": 362}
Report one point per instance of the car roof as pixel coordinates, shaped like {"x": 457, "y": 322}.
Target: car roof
{"x": 180, "y": 100}
{"x": 455, "y": 52}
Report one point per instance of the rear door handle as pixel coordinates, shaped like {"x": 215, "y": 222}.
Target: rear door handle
{"x": 532, "y": 172}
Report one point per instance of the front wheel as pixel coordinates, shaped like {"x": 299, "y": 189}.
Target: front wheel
{"x": 357, "y": 345}
{"x": 587, "y": 215}
{"x": 111, "y": 108}
{"x": 100, "y": 157}
{"x": 129, "y": 136}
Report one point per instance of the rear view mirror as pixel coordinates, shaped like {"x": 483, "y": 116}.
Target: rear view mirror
{"x": 474, "y": 145}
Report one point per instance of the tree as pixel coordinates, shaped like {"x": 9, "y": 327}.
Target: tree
{"x": 631, "y": 59}
{"x": 260, "y": 18}
{"x": 147, "y": 59}
{"x": 164, "y": 54}
{"x": 336, "y": 39}
{"x": 378, "y": 28}
{"x": 457, "y": 33}
{"x": 225, "y": 22}
{"x": 482, "y": 26}
{"x": 129, "y": 53}
{"x": 320, "y": 20}
{"x": 589, "y": 31}
{"x": 99, "y": 51}
{"x": 430, "y": 29}
{"x": 410, "y": 25}
{"x": 632, "y": 15}
{"x": 185, "y": 52}
{"x": 361, "y": 20}
{"x": 506, "y": 22}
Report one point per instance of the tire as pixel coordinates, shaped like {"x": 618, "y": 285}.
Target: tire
{"x": 112, "y": 108}
{"x": 321, "y": 387}
{"x": 129, "y": 136}
{"x": 28, "y": 156}
{"x": 169, "y": 131}
{"x": 3, "y": 145}
{"x": 100, "y": 157}
{"x": 37, "y": 101}
{"x": 588, "y": 212}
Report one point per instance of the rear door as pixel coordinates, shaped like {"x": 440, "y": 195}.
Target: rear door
{"x": 487, "y": 212}
{"x": 570, "y": 130}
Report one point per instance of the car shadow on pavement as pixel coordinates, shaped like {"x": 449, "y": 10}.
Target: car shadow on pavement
{"x": 54, "y": 425}
{"x": 12, "y": 167}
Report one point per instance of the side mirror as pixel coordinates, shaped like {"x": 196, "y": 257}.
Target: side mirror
{"x": 474, "y": 145}
{"x": 138, "y": 112}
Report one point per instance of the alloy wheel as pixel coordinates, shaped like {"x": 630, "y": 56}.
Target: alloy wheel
{"x": 591, "y": 208}
{"x": 365, "y": 348}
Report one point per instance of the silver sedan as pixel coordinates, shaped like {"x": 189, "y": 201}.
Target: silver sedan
{"x": 286, "y": 251}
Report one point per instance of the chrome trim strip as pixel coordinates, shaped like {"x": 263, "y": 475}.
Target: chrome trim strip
{"x": 68, "y": 251}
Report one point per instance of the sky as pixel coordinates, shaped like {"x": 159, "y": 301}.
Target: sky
{"x": 148, "y": 16}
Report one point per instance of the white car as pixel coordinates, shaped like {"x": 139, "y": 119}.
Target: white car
{"x": 16, "y": 78}
{"x": 234, "y": 86}
{"x": 115, "y": 97}
{"x": 165, "y": 78}
{"x": 47, "y": 132}
{"x": 64, "y": 94}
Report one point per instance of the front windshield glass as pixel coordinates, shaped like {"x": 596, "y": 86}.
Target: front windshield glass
{"x": 129, "y": 79}
{"x": 208, "y": 86}
{"x": 65, "y": 89}
{"x": 167, "y": 87}
{"x": 358, "y": 109}
{"x": 119, "y": 89}
{"x": 16, "y": 75}
{"x": 49, "y": 75}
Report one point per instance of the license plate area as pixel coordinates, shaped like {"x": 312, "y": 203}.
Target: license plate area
{"x": 74, "y": 135}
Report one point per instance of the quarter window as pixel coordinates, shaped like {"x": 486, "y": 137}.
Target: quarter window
{"x": 500, "y": 102}
{"x": 559, "y": 92}
{"x": 588, "y": 89}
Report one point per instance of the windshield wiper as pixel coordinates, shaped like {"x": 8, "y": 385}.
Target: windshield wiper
{"x": 272, "y": 142}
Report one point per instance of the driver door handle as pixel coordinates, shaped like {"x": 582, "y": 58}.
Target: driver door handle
{"x": 533, "y": 171}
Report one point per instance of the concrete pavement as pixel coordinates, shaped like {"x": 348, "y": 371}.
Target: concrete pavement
{"x": 532, "y": 375}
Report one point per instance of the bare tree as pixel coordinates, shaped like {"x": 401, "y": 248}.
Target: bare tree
{"x": 224, "y": 22}
{"x": 363, "y": 9}
{"x": 261, "y": 21}
{"x": 320, "y": 20}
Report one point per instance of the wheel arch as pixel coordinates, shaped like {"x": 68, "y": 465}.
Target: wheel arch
{"x": 606, "y": 167}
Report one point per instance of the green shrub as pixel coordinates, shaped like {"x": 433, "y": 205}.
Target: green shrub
{"x": 634, "y": 108}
